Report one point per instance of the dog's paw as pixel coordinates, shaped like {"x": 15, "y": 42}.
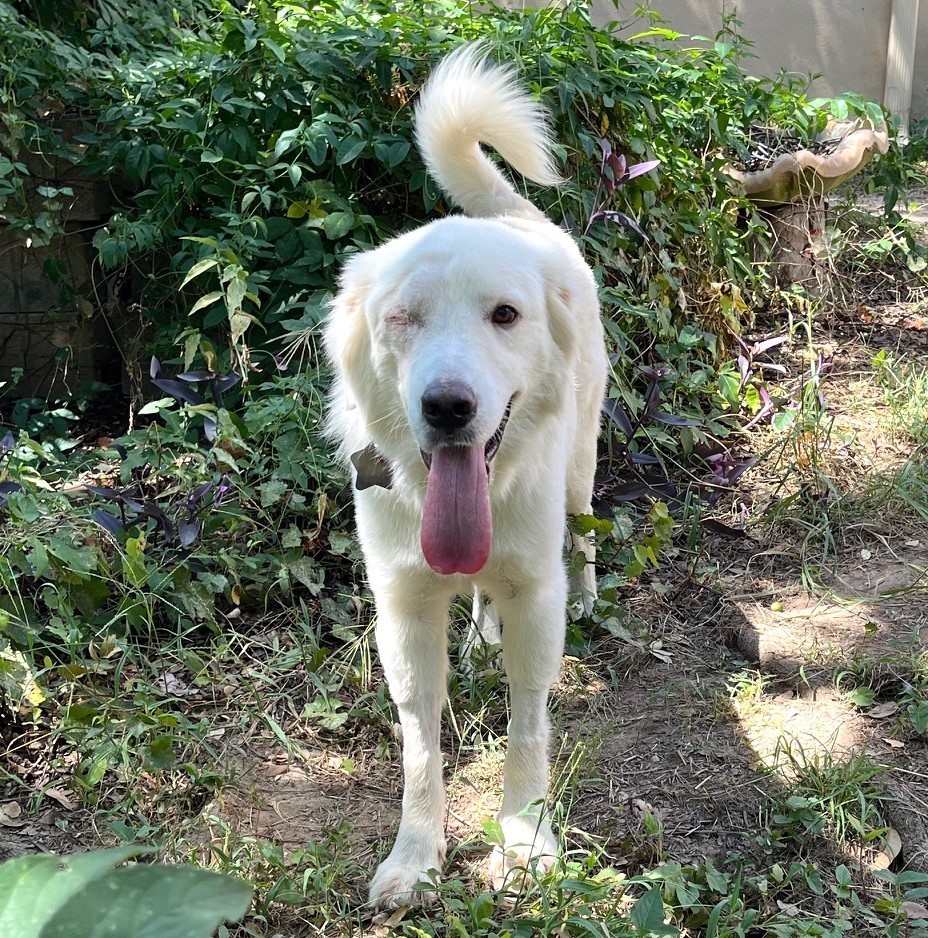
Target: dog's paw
{"x": 396, "y": 878}
{"x": 528, "y": 850}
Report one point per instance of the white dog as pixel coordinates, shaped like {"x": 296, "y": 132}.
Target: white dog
{"x": 470, "y": 370}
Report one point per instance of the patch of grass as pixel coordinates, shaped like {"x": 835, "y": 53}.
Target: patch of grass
{"x": 898, "y": 494}
{"x": 898, "y": 684}
{"x": 800, "y": 454}
{"x": 905, "y": 386}
{"x": 746, "y": 695}
{"x": 136, "y": 662}
{"x": 320, "y": 884}
{"x": 816, "y": 499}
{"x": 829, "y": 795}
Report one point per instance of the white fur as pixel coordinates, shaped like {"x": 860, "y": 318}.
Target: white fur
{"x": 417, "y": 310}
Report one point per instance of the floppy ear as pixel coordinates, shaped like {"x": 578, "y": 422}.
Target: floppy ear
{"x": 347, "y": 342}
{"x": 347, "y": 335}
{"x": 561, "y": 321}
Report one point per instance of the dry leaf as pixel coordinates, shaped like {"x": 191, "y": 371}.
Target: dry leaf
{"x": 657, "y": 649}
{"x": 61, "y": 796}
{"x": 893, "y": 743}
{"x": 641, "y": 808}
{"x": 882, "y": 711}
{"x": 170, "y": 683}
{"x": 892, "y": 847}
{"x": 384, "y": 923}
{"x": 10, "y": 815}
{"x": 105, "y": 649}
{"x": 914, "y": 910}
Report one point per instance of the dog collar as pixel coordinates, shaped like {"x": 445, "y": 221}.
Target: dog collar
{"x": 371, "y": 469}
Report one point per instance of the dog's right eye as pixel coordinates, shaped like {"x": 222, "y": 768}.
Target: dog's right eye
{"x": 504, "y": 315}
{"x": 400, "y": 318}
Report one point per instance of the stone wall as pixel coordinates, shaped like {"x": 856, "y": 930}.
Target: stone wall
{"x": 53, "y": 326}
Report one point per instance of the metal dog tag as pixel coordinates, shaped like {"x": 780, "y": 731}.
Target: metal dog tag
{"x": 371, "y": 469}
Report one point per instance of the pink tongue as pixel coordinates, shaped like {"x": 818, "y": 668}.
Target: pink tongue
{"x": 457, "y": 531}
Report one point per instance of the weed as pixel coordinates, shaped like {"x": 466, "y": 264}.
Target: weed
{"x": 899, "y": 682}
{"x": 829, "y": 795}
{"x": 906, "y": 905}
{"x": 898, "y": 492}
{"x": 906, "y": 390}
{"x": 746, "y": 688}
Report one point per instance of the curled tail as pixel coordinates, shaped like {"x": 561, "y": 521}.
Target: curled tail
{"x": 466, "y": 102}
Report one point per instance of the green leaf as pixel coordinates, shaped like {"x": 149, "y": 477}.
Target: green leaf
{"x": 298, "y": 209}
{"x": 235, "y": 293}
{"x": 712, "y": 925}
{"x": 341, "y": 543}
{"x": 647, "y": 913}
{"x": 308, "y": 573}
{"x": 338, "y": 224}
{"x": 918, "y": 714}
{"x": 862, "y": 696}
{"x": 155, "y": 407}
{"x": 916, "y": 262}
{"x": 728, "y": 388}
{"x": 160, "y": 753}
{"x": 288, "y": 139}
{"x": 349, "y": 149}
{"x": 398, "y": 152}
{"x": 205, "y": 301}
{"x": 34, "y": 888}
{"x": 279, "y": 53}
{"x": 76, "y": 559}
{"x": 152, "y": 902}
{"x": 585, "y": 524}
{"x": 272, "y": 492}
{"x": 198, "y": 268}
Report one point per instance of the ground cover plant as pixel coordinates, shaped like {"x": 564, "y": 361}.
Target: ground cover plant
{"x": 185, "y": 655}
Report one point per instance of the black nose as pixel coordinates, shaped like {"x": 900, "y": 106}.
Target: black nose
{"x": 448, "y": 406}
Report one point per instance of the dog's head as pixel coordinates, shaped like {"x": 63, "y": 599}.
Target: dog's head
{"x": 453, "y": 342}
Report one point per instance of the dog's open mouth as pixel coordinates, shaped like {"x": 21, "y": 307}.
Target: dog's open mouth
{"x": 490, "y": 448}
{"x": 493, "y": 443}
{"x": 457, "y": 530}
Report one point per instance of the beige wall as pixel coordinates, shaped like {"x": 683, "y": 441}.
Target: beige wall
{"x": 844, "y": 40}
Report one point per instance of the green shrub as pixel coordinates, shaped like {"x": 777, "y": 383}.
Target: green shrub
{"x": 185, "y": 527}
{"x": 250, "y": 153}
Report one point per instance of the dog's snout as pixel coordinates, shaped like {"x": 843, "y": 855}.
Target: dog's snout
{"x": 448, "y": 406}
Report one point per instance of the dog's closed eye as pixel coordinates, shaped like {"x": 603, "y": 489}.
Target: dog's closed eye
{"x": 399, "y": 318}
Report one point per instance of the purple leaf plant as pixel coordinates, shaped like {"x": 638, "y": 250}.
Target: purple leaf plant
{"x": 614, "y": 172}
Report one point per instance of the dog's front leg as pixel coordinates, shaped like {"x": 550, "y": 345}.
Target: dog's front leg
{"x": 412, "y": 641}
{"x": 533, "y": 644}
